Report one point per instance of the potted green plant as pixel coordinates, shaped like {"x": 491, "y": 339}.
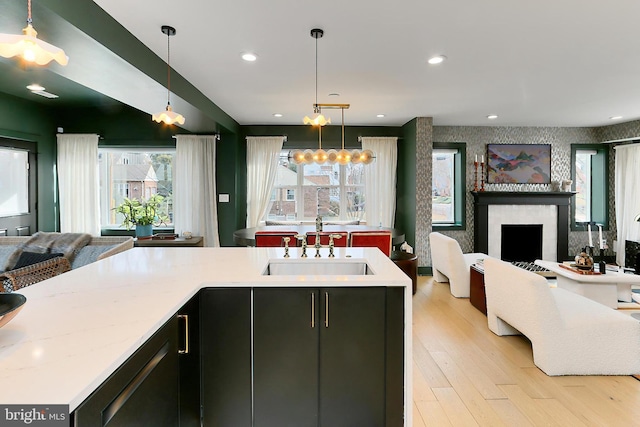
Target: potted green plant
{"x": 142, "y": 214}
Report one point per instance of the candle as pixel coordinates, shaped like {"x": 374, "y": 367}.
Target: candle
{"x": 482, "y": 160}
{"x": 589, "y": 230}
{"x": 476, "y": 158}
{"x": 600, "y": 242}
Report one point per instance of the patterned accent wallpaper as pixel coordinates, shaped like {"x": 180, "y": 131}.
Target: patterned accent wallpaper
{"x": 424, "y": 166}
{"x": 620, "y": 131}
{"x": 476, "y": 138}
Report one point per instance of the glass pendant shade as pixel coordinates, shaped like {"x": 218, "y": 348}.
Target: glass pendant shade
{"x": 168, "y": 116}
{"x": 366, "y": 157}
{"x": 320, "y": 156}
{"x": 344, "y": 157}
{"x": 29, "y": 47}
{"x": 298, "y": 157}
{"x": 308, "y": 156}
{"x": 355, "y": 156}
{"x": 332, "y": 156}
{"x": 316, "y": 120}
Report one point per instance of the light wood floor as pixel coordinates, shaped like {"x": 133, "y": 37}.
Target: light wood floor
{"x": 464, "y": 375}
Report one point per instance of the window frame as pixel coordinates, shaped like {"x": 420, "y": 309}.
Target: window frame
{"x": 116, "y": 229}
{"x": 599, "y": 185}
{"x": 459, "y": 182}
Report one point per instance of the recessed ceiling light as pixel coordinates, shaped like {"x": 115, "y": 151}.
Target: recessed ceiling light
{"x": 277, "y": 115}
{"x": 436, "y": 59}
{"x": 379, "y": 116}
{"x": 45, "y": 94}
{"x": 34, "y": 87}
{"x": 334, "y": 94}
{"x": 492, "y": 116}
{"x": 250, "y": 57}
{"x": 615, "y": 117}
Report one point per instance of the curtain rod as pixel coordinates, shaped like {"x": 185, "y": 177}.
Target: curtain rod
{"x": 216, "y": 136}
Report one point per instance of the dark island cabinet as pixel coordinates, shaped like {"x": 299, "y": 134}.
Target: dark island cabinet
{"x": 143, "y": 391}
{"x": 151, "y": 387}
{"x": 326, "y": 357}
{"x": 225, "y": 346}
{"x": 243, "y": 357}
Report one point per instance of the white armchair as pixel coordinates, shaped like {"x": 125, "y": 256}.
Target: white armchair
{"x": 570, "y": 334}
{"x": 450, "y": 264}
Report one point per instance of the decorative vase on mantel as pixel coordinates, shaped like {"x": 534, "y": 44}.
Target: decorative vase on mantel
{"x": 144, "y": 231}
{"x": 584, "y": 261}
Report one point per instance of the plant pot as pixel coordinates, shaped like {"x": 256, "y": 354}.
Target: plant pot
{"x": 144, "y": 231}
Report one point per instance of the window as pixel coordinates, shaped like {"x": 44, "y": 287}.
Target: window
{"x": 448, "y": 186}
{"x": 589, "y": 171}
{"x": 14, "y": 190}
{"x": 301, "y": 192}
{"x": 133, "y": 174}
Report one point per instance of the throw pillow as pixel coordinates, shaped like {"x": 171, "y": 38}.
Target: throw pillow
{"x": 30, "y": 258}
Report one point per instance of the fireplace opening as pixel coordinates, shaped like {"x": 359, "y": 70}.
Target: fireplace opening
{"x": 521, "y": 242}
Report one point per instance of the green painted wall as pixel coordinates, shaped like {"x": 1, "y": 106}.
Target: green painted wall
{"x": 118, "y": 126}
{"x": 30, "y": 121}
{"x": 406, "y": 188}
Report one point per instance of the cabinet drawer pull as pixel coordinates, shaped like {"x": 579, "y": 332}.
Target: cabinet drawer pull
{"x": 313, "y": 310}
{"x": 326, "y": 309}
{"x": 186, "y": 333}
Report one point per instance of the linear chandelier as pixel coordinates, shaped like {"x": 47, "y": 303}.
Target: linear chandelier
{"x": 29, "y": 47}
{"x": 332, "y": 156}
{"x": 168, "y": 116}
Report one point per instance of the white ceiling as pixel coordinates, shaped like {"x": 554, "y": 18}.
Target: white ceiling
{"x": 534, "y": 63}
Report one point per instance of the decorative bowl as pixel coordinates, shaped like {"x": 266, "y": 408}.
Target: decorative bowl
{"x": 10, "y": 305}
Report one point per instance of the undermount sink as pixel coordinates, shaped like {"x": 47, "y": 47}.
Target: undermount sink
{"x": 316, "y": 268}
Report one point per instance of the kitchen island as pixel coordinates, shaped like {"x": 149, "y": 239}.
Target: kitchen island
{"x": 78, "y": 329}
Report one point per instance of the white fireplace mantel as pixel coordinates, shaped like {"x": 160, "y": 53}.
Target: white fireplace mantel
{"x": 530, "y": 200}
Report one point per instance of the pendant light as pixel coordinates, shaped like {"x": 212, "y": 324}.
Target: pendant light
{"x": 168, "y": 116}
{"x": 29, "y": 47}
{"x": 317, "y": 119}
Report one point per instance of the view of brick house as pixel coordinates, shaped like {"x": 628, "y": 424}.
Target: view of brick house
{"x": 134, "y": 176}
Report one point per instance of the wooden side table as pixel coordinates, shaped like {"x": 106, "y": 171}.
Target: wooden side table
{"x": 409, "y": 264}
{"x": 477, "y": 296}
{"x": 195, "y": 241}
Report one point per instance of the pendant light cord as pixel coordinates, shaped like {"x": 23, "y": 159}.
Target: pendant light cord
{"x": 316, "y": 72}
{"x": 29, "y": 20}
{"x": 168, "y": 68}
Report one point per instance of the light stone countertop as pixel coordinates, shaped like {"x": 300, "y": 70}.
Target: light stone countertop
{"x": 76, "y": 329}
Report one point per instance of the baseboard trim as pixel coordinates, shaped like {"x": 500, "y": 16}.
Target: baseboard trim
{"x": 425, "y": 271}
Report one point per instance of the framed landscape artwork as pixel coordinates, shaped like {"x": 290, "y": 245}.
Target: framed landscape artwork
{"x": 518, "y": 163}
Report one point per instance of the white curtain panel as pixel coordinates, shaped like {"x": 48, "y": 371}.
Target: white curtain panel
{"x": 380, "y": 180}
{"x": 627, "y": 196}
{"x": 194, "y": 188}
{"x": 263, "y": 154}
{"x": 78, "y": 184}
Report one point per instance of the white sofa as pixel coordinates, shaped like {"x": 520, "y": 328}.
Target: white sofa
{"x": 450, "y": 264}
{"x": 570, "y": 334}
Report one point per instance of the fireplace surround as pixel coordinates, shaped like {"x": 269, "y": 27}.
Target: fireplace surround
{"x": 561, "y": 200}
